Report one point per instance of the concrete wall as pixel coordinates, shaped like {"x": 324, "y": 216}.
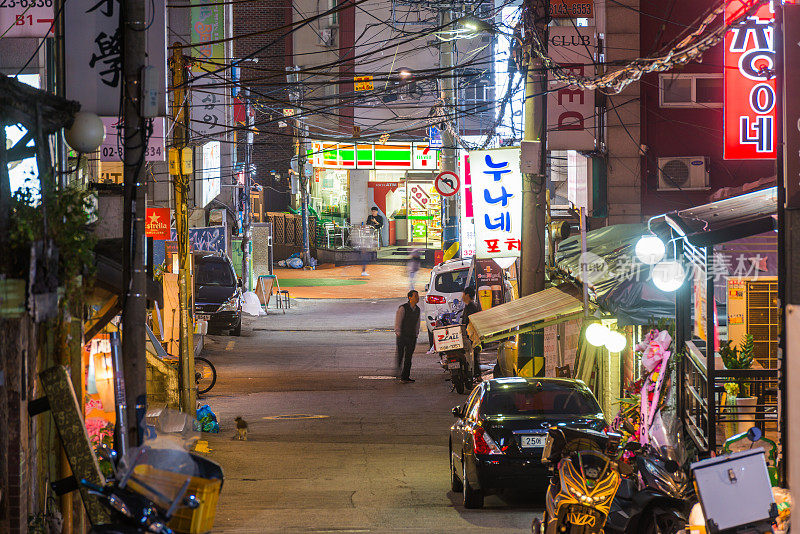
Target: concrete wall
{"x": 624, "y": 176}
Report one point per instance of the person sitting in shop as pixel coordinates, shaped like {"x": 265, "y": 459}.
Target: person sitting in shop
{"x": 375, "y": 220}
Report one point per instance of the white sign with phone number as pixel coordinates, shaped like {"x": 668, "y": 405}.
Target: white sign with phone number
{"x": 447, "y": 338}
{"x": 111, "y": 149}
{"x": 26, "y": 18}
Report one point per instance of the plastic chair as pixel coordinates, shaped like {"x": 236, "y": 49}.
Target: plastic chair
{"x": 332, "y": 230}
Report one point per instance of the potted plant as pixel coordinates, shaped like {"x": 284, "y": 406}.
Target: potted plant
{"x": 739, "y": 390}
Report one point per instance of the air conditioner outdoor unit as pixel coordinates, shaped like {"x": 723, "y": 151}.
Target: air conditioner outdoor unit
{"x": 683, "y": 173}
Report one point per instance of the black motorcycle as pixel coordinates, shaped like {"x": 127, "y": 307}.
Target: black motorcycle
{"x": 657, "y": 501}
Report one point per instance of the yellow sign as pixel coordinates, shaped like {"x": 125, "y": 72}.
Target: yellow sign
{"x": 174, "y": 164}
{"x": 363, "y": 83}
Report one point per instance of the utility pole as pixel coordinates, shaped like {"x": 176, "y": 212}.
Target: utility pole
{"x": 180, "y": 187}
{"x": 302, "y": 179}
{"x": 247, "y": 218}
{"x": 534, "y": 184}
{"x": 449, "y": 153}
{"x": 134, "y": 276}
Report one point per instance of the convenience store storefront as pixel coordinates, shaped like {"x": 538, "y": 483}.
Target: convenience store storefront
{"x": 398, "y": 178}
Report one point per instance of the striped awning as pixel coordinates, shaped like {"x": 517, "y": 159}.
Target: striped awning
{"x": 550, "y": 306}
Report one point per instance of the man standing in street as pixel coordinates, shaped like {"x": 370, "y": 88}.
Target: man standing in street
{"x": 406, "y": 330}
{"x": 470, "y": 307}
{"x": 375, "y": 221}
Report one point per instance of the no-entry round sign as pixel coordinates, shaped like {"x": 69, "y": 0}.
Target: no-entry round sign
{"x": 447, "y": 183}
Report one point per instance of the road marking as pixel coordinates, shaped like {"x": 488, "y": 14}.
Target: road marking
{"x": 230, "y": 345}
{"x": 294, "y": 416}
{"x": 378, "y": 377}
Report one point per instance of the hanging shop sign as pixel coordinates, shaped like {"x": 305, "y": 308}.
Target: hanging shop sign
{"x": 206, "y": 27}
{"x": 208, "y": 109}
{"x": 93, "y": 74}
{"x": 570, "y": 109}
{"x": 570, "y": 9}
{"x": 447, "y": 183}
{"x": 27, "y": 19}
{"x": 157, "y": 223}
{"x": 210, "y": 184}
{"x": 392, "y": 156}
{"x": 112, "y": 147}
{"x": 497, "y": 202}
{"x": 749, "y": 81}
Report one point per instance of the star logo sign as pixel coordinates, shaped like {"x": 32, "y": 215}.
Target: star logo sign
{"x": 154, "y": 219}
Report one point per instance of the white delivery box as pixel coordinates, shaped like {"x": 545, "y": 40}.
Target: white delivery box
{"x": 735, "y": 491}
{"x": 448, "y": 338}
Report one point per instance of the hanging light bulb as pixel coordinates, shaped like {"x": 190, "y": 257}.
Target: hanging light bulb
{"x": 668, "y": 275}
{"x": 597, "y": 334}
{"x": 616, "y": 342}
{"x": 650, "y": 249}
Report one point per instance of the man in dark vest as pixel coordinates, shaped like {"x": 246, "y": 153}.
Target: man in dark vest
{"x": 406, "y": 330}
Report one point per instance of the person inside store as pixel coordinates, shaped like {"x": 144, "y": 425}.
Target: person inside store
{"x": 375, "y": 220}
{"x": 470, "y": 307}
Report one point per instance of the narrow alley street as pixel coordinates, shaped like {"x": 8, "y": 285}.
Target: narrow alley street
{"x": 336, "y": 444}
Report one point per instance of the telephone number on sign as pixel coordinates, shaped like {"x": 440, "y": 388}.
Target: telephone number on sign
{"x": 111, "y": 152}
{"x": 573, "y": 10}
{"x": 26, "y": 3}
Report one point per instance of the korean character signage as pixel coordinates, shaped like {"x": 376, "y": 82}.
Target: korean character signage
{"x": 570, "y": 109}
{"x": 497, "y": 202}
{"x": 749, "y": 83}
{"x": 93, "y": 40}
{"x": 26, "y": 18}
{"x": 208, "y": 109}
{"x": 207, "y": 25}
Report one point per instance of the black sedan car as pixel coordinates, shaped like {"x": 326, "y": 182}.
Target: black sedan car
{"x": 497, "y": 440}
{"x": 217, "y": 293}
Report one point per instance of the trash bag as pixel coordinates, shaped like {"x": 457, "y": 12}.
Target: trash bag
{"x": 251, "y": 305}
{"x": 207, "y": 420}
{"x": 294, "y": 263}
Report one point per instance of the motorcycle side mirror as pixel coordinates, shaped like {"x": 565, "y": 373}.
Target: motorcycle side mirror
{"x": 671, "y": 466}
{"x": 754, "y": 434}
{"x": 457, "y": 411}
{"x": 633, "y": 446}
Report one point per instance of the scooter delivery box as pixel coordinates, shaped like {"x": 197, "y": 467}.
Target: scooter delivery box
{"x": 448, "y": 338}
{"x": 735, "y": 492}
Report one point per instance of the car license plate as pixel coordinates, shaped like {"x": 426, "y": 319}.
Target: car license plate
{"x": 453, "y": 365}
{"x": 203, "y": 316}
{"x": 532, "y": 441}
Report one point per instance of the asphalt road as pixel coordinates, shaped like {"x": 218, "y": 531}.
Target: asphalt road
{"x": 335, "y": 446}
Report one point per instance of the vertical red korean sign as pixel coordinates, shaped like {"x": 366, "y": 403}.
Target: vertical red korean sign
{"x": 749, "y": 82}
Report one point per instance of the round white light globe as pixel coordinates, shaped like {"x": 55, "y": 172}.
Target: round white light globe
{"x": 616, "y": 342}
{"x": 668, "y": 275}
{"x": 86, "y": 134}
{"x": 597, "y": 334}
{"x": 650, "y": 249}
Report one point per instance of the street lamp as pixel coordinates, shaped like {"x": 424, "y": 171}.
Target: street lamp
{"x": 597, "y": 334}
{"x": 650, "y": 249}
{"x": 86, "y": 134}
{"x": 668, "y": 275}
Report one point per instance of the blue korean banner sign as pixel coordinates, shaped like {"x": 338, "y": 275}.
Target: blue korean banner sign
{"x": 497, "y": 202}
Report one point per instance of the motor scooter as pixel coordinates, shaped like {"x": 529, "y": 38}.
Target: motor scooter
{"x": 584, "y": 480}
{"x": 657, "y": 499}
{"x": 449, "y": 342}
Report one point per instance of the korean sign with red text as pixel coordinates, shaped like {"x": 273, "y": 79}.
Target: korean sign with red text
{"x": 497, "y": 202}
{"x": 570, "y": 109}
{"x": 749, "y": 83}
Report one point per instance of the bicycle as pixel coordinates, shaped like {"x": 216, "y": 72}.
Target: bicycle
{"x": 205, "y": 375}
